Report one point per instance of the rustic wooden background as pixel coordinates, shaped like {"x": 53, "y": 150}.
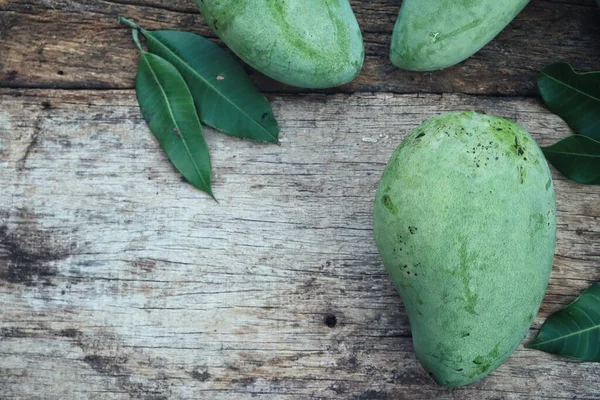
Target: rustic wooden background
{"x": 120, "y": 281}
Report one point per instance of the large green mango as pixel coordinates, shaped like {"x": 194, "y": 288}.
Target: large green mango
{"x": 465, "y": 222}
{"x": 305, "y": 43}
{"x": 435, "y": 34}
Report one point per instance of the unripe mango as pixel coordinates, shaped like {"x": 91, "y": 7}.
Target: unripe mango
{"x": 465, "y": 222}
{"x": 307, "y": 43}
{"x": 435, "y": 34}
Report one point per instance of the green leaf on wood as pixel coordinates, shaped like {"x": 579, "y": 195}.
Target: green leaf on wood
{"x": 225, "y": 97}
{"x": 168, "y": 108}
{"x": 573, "y": 331}
{"x": 575, "y": 97}
{"x": 576, "y": 157}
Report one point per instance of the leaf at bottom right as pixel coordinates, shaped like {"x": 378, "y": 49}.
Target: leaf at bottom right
{"x": 573, "y": 331}
{"x": 577, "y": 157}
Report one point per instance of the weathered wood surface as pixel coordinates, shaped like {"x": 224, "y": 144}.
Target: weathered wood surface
{"x": 79, "y": 44}
{"x": 119, "y": 281}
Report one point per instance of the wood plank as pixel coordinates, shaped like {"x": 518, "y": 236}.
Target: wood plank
{"x": 79, "y": 44}
{"x": 118, "y": 280}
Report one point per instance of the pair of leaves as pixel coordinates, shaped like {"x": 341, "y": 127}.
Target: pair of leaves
{"x": 184, "y": 78}
{"x": 575, "y": 97}
{"x": 573, "y": 331}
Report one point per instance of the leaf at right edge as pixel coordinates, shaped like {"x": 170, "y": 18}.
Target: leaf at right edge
{"x": 168, "y": 108}
{"x": 223, "y": 93}
{"x": 573, "y": 331}
{"x": 575, "y": 97}
{"x": 576, "y": 157}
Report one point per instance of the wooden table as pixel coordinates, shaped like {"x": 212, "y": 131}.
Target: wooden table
{"x": 119, "y": 281}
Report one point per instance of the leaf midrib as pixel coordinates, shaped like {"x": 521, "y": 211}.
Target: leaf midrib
{"x": 566, "y": 336}
{"x": 175, "y": 123}
{"x": 210, "y": 85}
{"x": 569, "y": 86}
{"x": 568, "y": 153}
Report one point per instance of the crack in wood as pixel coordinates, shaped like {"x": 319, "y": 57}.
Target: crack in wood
{"x": 33, "y": 142}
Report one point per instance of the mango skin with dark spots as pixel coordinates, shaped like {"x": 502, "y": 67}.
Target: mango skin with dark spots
{"x": 465, "y": 222}
{"x": 307, "y": 43}
{"x": 435, "y": 34}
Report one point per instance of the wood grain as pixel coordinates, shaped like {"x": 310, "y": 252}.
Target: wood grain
{"x": 119, "y": 281}
{"x": 79, "y": 44}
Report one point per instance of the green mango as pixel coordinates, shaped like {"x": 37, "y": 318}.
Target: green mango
{"x": 305, "y": 43}
{"x": 435, "y": 34}
{"x": 465, "y": 222}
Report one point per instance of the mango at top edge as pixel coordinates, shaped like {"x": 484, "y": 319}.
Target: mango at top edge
{"x": 435, "y": 34}
{"x": 308, "y": 43}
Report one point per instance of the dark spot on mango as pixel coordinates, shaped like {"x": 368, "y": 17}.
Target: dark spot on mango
{"x": 518, "y": 148}
{"x": 521, "y": 174}
{"x": 387, "y": 202}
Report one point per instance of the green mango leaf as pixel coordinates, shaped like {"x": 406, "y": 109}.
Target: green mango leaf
{"x": 575, "y": 97}
{"x": 168, "y": 108}
{"x": 223, "y": 93}
{"x": 576, "y": 157}
{"x": 573, "y": 331}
